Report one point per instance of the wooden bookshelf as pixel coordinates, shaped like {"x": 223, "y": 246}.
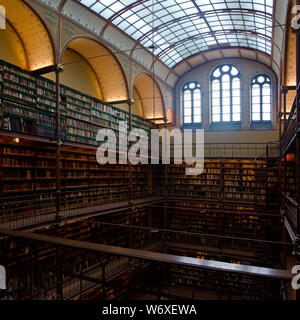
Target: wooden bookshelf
{"x": 28, "y": 179}
{"x": 227, "y": 285}
{"x": 290, "y": 177}
{"x": 29, "y": 106}
{"x": 22, "y": 256}
{"x": 222, "y": 179}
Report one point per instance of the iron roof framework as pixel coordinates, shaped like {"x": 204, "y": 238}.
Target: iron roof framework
{"x": 177, "y": 29}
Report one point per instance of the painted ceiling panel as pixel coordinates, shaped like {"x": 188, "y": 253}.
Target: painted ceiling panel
{"x": 182, "y": 68}
{"x": 83, "y": 17}
{"x": 36, "y": 40}
{"x": 106, "y": 67}
{"x": 229, "y": 53}
{"x": 176, "y": 30}
{"x": 52, "y": 3}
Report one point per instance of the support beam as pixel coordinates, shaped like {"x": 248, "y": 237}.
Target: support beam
{"x": 58, "y": 219}
{"x": 44, "y": 70}
{"x": 154, "y": 256}
{"x": 297, "y": 248}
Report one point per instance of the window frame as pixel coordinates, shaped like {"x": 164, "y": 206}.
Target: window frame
{"x": 212, "y": 78}
{"x": 260, "y": 97}
{"x": 186, "y": 88}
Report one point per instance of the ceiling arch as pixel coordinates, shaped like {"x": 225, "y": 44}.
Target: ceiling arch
{"x": 109, "y": 73}
{"x": 219, "y": 53}
{"x": 32, "y": 31}
{"x": 175, "y": 30}
{"x": 150, "y": 96}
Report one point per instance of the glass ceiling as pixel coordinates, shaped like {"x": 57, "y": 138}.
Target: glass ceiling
{"x": 177, "y": 29}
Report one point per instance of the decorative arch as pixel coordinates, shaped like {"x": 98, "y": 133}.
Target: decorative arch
{"x": 109, "y": 73}
{"x": 37, "y": 41}
{"x": 12, "y": 47}
{"x": 150, "y": 96}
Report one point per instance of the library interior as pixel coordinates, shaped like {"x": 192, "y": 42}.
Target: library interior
{"x": 74, "y": 228}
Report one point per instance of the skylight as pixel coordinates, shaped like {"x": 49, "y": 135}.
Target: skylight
{"x": 182, "y": 28}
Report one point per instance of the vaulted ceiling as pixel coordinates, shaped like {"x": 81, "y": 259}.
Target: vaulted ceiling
{"x": 181, "y": 34}
{"x": 176, "y": 30}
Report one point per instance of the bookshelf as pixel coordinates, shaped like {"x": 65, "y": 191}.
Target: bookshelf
{"x": 228, "y": 285}
{"x": 29, "y": 106}
{"x": 290, "y": 176}
{"x": 225, "y": 180}
{"x": 28, "y": 179}
{"x": 23, "y": 256}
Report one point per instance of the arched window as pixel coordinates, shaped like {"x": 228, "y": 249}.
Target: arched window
{"x": 261, "y": 98}
{"x": 191, "y": 103}
{"x": 226, "y": 94}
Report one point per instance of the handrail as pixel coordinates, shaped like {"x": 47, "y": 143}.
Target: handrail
{"x": 292, "y": 201}
{"x": 155, "y": 256}
{"x": 293, "y": 111}
{"x": 291, "y": 115}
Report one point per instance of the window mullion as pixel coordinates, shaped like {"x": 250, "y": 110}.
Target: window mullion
{"x": 183, "y": 107}
{"x": 192, "y": 104}
{"x": 230, "y": 89}
{"x": 261, "y": 101}
{"x": 221, "y": 98}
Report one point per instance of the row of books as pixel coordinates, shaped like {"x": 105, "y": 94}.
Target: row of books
{"x": 25, "y": 89}
{"x": 220, "y": 180}
{"x": 24, "y": 167}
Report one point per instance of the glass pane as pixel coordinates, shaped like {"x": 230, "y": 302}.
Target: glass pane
{"x": 197, "y": 111}
{"x": 266, "y": 89}
{"x": 236, "y": 117}
{"x": 187, "y": 111}
{"x": 187, "y": 104}
{"x": 225, "y": 68}
{"x": 234, "y": 19}
{"x": 216, "y": 86}
{"x": 266, "y": 116}
{"x": 216, "y": 118}
{"x": 226, "y": 117}
{"x": 236, "y": 109}
{"x": 256, "y": 108}
{"x": 226, "y": 101}
{"x": 187, "y": 95}
{"x": 261, "y": 79}
{"x": 256, "y": 116}
{"x": 192, "y": 85}
{"x": 226, "y": 80}
{"x": 197, "y": 98}
{"x": 187, "y": 119}
{"x": 197, "y": 119}
{"x": 256, "y": 90}
{"x": 216, "y": 110}
{"x": 266, "y": 108}
{"x": 236, "y": 83}
{"x": 217, "y": 73}
{"x": 256, "y": 100}
{"x": 267, "y": 99}
{"x": 216, "y": 102}
{"x": 236, "y": 100}
{"x": 225, "y": 86}
{"x": 234, "y": 71}
{"x": 226, "y": 109}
